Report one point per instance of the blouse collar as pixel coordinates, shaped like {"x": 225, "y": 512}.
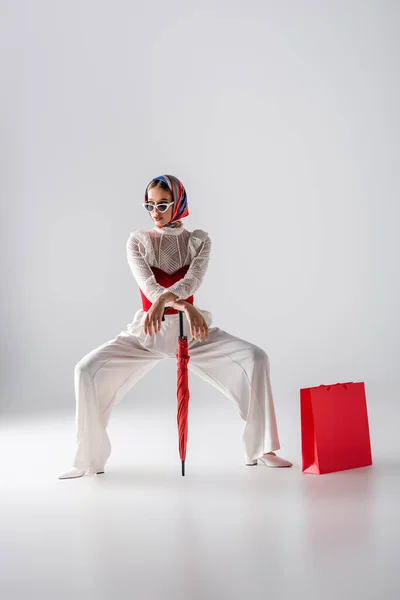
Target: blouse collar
{"x": 169, "y": 230}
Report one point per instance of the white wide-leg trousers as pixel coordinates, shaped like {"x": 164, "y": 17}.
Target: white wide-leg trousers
{"x": 238, "y": 369}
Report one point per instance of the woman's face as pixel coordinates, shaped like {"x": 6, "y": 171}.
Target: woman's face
{"x": 157, "y": 195}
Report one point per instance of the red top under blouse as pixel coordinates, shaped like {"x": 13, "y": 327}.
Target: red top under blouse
{"x": 166, "y": 280}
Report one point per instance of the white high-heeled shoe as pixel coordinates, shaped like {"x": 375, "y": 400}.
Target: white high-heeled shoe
{"x": 270, "y": 460}
{"x": 75, "y": 472}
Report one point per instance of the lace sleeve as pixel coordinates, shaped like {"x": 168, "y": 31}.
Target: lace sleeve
{"x": 191, "y": 282}
{"x": 141, "y": 270}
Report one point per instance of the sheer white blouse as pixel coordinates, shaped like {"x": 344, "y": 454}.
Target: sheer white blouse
{"x": 168, "y": 249}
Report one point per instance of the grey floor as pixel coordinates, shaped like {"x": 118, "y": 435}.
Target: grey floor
{"x": 224, "y": 530}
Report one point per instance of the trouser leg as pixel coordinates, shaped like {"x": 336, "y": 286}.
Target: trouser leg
{"x": 101, "y": 378}
{"x": 241, "y": 371}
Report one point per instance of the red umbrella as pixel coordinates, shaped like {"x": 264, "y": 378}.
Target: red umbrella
{"x": 182, "y": 391}
{"x": 167, "y": 279}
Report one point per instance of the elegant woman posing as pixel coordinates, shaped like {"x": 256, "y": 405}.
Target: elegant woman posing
{"x": 168, "y": 263}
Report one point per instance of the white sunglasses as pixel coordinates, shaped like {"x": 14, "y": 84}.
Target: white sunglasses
{"x": 162, "y": 207}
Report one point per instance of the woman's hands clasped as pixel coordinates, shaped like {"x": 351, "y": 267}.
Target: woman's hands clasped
{"x": 198, "y": 325}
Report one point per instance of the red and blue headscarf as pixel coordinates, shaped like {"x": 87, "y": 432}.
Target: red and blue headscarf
{"x": 179, "y": 197}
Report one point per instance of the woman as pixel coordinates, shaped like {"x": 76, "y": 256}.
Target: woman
{"x": 238, "y": 369}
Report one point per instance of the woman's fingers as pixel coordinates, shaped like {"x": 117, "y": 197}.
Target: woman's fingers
{"x": 155, "y": 327}
{"x": 199, "y": 331}
{"x": 152, "y": 323}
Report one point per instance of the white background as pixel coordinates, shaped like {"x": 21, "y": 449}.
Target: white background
{"x": 282, "y": 121}
{"x": 280, "y": 118}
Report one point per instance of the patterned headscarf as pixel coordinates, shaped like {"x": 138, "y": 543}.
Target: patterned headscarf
{"x": 180, "y": 207}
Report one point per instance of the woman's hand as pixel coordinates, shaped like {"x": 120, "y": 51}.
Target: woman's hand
{"x": 152, "y": 321}
{"x": 198, "y": 325}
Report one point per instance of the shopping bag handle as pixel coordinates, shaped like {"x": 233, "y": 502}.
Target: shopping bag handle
{"x": 328, "y": 387}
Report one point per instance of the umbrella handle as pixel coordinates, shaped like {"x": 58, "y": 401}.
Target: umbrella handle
{"x": 180, "y": 324}
{"x": 180, "y": 321}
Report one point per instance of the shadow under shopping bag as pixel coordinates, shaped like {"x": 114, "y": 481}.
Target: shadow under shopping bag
{"x": 334, "y": 428}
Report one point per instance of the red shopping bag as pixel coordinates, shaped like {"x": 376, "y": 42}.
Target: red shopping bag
{"x": 334, "y": 428}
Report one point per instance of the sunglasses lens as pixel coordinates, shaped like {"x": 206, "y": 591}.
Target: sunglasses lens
{"x": 162, "y": 207}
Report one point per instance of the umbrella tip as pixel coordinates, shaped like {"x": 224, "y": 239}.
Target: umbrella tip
{"x": 183, "y": 467}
